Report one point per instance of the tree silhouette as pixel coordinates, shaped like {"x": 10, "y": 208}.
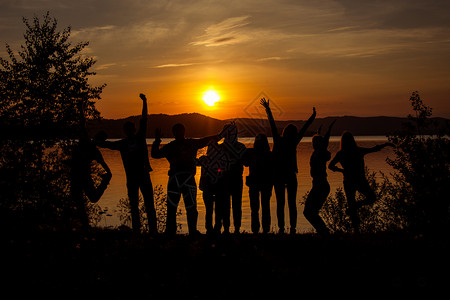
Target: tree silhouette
{"x": 422, "y": 168}
{"x": 42, "y": 85}
{"x": 42, "y": 88}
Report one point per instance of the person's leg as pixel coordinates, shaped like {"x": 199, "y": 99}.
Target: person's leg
{"x": 133, "y": 197}
{"x": 365, "y": 189}
{"x": 236, "y": 196}
{"x": 189, "y": 191}
{"x": 253, "y": 193}
{"x": 209, "y": 207}
{"x": 220, "y": 207}
{"x": 95, "y": 193}
{"x": 280, "y": 195}
{"x": 76, "y": 190}
{"x": 223, "y": 209}
{"x": 292, "y": 201}
{"x": 266, "y": 194}
{"x": 314, "y": 203}
{"x": 173, "y": 198}
{"x": 146, "y": 187}
{"x": 350, "y": 192}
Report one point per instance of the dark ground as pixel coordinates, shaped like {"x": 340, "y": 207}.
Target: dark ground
{"x": 118, "y": 265}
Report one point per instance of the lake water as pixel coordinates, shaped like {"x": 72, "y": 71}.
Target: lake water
{"x": 117, "y": 188}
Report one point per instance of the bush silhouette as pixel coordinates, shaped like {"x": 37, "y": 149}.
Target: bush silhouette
{"x": 416, "y": 197}
{"x": 160, "y": 199}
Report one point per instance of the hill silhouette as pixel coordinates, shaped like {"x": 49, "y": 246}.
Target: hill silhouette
{"x": 198, "y": 125}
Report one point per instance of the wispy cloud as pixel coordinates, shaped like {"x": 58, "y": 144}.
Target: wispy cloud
{"x": 343, "y": 28}
{"x": 224, "y": 33}
{"x": 91, "y": 30}
{"x": 105, "y": 66}
{"x": 272, "y": 58}
{"x": 174, "y": 65}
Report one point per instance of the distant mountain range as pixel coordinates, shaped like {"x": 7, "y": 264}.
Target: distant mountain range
{"x": 198, "y": 125}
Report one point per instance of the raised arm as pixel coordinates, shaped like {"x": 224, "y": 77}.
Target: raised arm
{"x": 305, "y": 127}
{"x": 100, "y": 141}
{"x": 108, "y": 144}
{"x": 326, "y": 137}
{"x": 143, "y": 121}
{"x": 375, "y": 148}
{"x": 144, "y": 106}
{"x": 203, "y": 142}
{"x": 273, "y": 127}
{"x": 156, "y": 151}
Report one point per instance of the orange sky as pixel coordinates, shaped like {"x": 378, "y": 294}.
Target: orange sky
{"x": 346, "y": 57}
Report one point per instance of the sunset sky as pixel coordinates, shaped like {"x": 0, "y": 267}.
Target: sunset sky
{"x": 349, "y": 57}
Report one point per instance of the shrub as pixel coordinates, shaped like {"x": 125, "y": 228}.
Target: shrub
{"x": 160, "y": 200}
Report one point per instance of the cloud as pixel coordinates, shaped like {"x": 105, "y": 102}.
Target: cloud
{"x": 343, "y": 28}
{"x": 225, "y": 32}
{"x": 227, "y": 24}
{"x": 270, "y": 58}
{"x": 91, "y": 31}
{"x": 174, "y": 65}
{"x": 105, "y": 66}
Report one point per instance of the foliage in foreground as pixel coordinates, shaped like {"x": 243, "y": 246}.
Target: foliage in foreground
{"x": 41, "y": 89}
{"x": 416, "y": 197}
{"x": 160, "y": 200}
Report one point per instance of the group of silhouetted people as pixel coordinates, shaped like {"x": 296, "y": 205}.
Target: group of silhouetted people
{"x": 221, "y": 179}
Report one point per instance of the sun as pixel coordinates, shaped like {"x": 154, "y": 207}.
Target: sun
{"x": 210, "y": 97}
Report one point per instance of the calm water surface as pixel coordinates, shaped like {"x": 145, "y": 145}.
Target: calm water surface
{"x": 117, "y": 188}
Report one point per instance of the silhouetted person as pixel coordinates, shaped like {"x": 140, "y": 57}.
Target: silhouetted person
{"x": 351, "y": 158}
{"x": 320, "y": 186}
{"x": 285, "y": 152}
{"x": 234, "y": 168}
{"x": 214, "y": 189}
{"x": 181, "y": 154}
{"x": 134, "y": 153}
{"x": 81, "y": 178}
{"x": 260, "y": 161}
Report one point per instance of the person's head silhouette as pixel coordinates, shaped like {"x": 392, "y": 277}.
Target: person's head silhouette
{"x": 261, "y": 143}
{"x": 178, "y": 131}
{"x": 230, "y": 133}
{"x": 100, "y": 136}
{"x": 290, "y": 132}
{"x": 317, "y": 141}
{"x": 129, "y": 128}
{"x": 347, "y": 141}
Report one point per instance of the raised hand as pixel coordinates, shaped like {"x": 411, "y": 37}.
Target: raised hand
{"x": 158, "y": 135}
{"x": 265, "y": 103}
{"x": 224, "y": 131}
{"x": 142, "y": 96}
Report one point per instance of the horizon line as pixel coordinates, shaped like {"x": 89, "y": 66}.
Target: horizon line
{"x": 283, "y": 120}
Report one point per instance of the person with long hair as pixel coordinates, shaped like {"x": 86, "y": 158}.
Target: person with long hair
{"x": 285, "y": 152}
{"x": 83, "y": 155}
{"x": 351, "y": 158}
{"x": 320, "y": 186}
{"x": 259, "y": 160}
